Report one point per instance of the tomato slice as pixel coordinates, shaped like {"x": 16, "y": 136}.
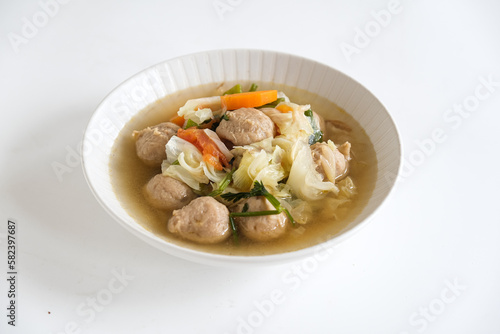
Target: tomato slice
{"x": 210, "y": 151}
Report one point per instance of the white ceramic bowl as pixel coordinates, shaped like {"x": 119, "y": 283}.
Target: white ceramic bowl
{"x": 220, "y": 66}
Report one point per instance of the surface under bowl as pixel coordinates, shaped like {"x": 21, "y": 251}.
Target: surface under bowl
{"x": 217, "y": 67}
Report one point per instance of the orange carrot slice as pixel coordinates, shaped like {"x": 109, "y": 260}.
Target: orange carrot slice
{"x": 211, "y": 153}
{"x": 179, "y": 120}
{"x": 248, "y": 99}
{"x": 283, "y": 108}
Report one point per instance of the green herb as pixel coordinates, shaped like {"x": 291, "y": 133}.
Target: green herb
{"x": 223, "y": 184}
{"x": 245, "y": 208}
{"x": 233, "y": 90}
{"x": 204, "y": 189}
{"x": 253, "y": 88}
{"x": 309, "y": 113}
{"x": 255, "y": 213}
{"x": 190, "y": 123}
{"x": 274, "y": 103}
{"x": 317, "y": 135}
{"x": 257, "y": 190}
{"x": 233, "y": 229}
{"x": 176, "y": 162}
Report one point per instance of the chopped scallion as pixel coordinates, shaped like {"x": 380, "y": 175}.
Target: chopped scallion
{"x": 253, "y": 88}
{"x": 233, "y": 229}
{"x": 224, "y": 183}
{"x": 274, "y": 103}
{"x": 233, "y": 90}
{"x": 257, "y": 190}
{"x": 190, "y": 123}
{"x": 317, "y": 135}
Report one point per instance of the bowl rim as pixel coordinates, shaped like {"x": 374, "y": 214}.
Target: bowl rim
{"x": 243, "y": 260}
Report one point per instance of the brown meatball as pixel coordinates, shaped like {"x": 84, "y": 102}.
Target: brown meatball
{"x": 261, "y": 228}
{"x": 246, "y": 126}
{"x": 331, "y": 164}
{"x": 204, "y": 220}
{"x": 167, "y": 193}
{"x": 150, "y": 142}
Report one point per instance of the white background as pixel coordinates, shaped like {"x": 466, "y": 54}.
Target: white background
{"x": 427, "y": 263}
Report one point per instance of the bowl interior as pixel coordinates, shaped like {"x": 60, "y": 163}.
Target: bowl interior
{"x": 222, "y": 66}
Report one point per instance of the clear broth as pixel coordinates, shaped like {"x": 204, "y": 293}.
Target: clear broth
{"x": 129, "y": 175}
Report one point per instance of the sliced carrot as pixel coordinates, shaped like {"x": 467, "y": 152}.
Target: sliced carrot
{"x": 179, "y": 120}
{"x": 212, "y": 160}
{"x": 248, "y": 99}
{"x": 210, "y": 151}
{"x": 284, "y": 108}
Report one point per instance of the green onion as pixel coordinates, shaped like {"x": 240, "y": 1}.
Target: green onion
{"x": 233, "y": 90}
{"x": 223, "y": 184}
{"x": 190, "y": 123}
{"x": 176, "y": 162}
{"x": 204, "y": 189}
{"x": 257, "y": 190}
{"x": 274, "y": 103}
{"x": 317, "y": 135}
{"x": 233, "y": 229}
{"x": 290, "y": 217}
{"x": 253, "y": 88}
{"x": 255, "y": 213}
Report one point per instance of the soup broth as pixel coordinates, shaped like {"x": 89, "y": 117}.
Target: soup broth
{"x": 129, "y": 175}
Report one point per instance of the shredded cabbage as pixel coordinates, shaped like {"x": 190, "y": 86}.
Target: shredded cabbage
{"x": 282, "y": 120}
{"x": 191, "y": 169}
{"x": 283, "y": 96}
{"x": 330, "y": 207}
{"x": 300, "y": 210}
{"x": 305, "y": 182}
{"x": 200, "y": 110}
{"x": 215, "y": 138}
{"x": 258, "y": 164}
{"x": 347, "y": 188}
{"x": 293, "y": 125}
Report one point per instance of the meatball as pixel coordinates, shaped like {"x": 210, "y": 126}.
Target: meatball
{"x": 204, "y": 220}
{"x": 324, "y": 159}
{"x": 261, "y": 228}
{"x": 246, "y": 126}
{"x": 333, "y": 164}
{"x": 150, "y": 142}
{"x": 167, "y": 193}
